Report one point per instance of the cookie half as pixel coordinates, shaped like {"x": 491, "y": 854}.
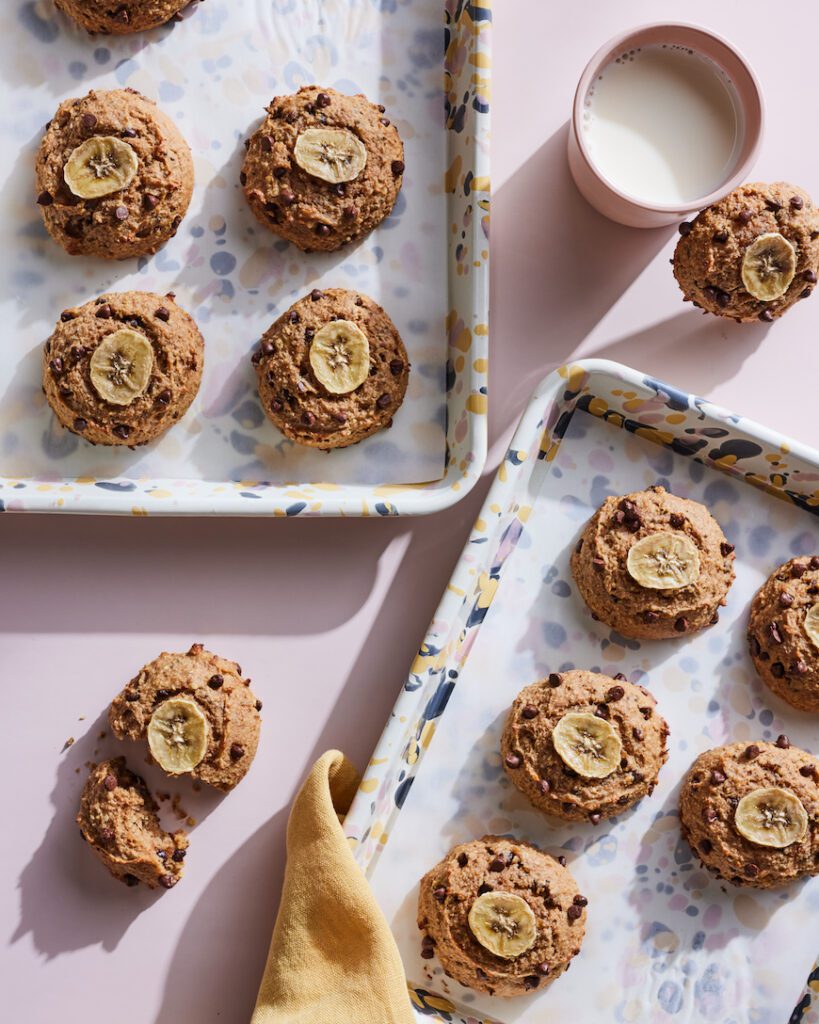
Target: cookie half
{"x": 332, "y": 370}
{"x": 753, "y": 254}
{"x": 124, "y": 368}
{"x": 118, "y": 820}
{"x": 108, "y": 17}
{"x": 783, "y": 632}
{"x": 323, "y": 168}
{"x": 501, "y": 916}
{"x": 198, "y": 714}
{"x": 652, "y": 565}
{"x": 749, "y": 811}
{"x": 584, "y": 746}
{"x": 114, "y": 177}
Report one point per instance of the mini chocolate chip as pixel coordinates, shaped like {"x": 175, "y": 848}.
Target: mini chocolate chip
{"x": 80, "y": 423}
{"x": 480, "y": 973}
{"x": 745, "y": 216}
{"x": 681, "y": 625}
{"x": 167, "y": 881}
{"x": 529, "y": 711}
{"x": 463, "y": 860}
{"x": 287, "y": 198}
{"x": 717, "y": 777}
{"x": 396, "y": 367}
{"x": 544, "y": 786}
{"x": 259, "y": 705}
{"x": 164, "y": 397}
{"x": 315, "y": 295}
{"x": 512, "y": 761}
{"x": 397, "y": 167}
{"x": 580, "y": 901}
{"x": 385, "y": 121}
{"x": 773, "y": 205}
{"x": 646, "y": 712}
{"x": 45, "y": 199}
{"x": 322, "y": 100}
{"x": 543, "y": 969}
{"x": 530, "y": 982}
{"x": 276, "y": 405}
{"x": 800, "y": 667}
{"x": 121, "y": 213}
{"x": 594, "y": 818}
{"x": 88, "y": 121}
{"x": 751, "y": 870}
{"x": 56, "y": 366}
{"x": 132, "y": 697}
{"x": 810, "y": 275}
{"x": 706, "y": 846}
{"x": 267, "y": 143}
{"x": 775, "y": 635}
{"x": 122, "y": 431}
{"x": 427, "y": 941}
{"x": 130, "y": 880}
{"x": 676, "y": 520}
{"x": 726, "y": 548}
{"x": 807, "y": 770}
{"x": 497, "y": 864}
{"x": 602, "y": 711}
{"x": 637, "y": 733}
{"x": 685, "y": 228}
{"x": 710, "y": 814}
{"x": 782, "y": 741}
{"x": 720, "y": 237}
{"x": 308, "y": 419}
{"x": 651, "y": 616}
{"x": 766, "y": 316}
{"x": 598, "y": 564}
{"x": 814, "y": 562}
{"x": 104, "y": 312}
{"x": 616, "y": 693}
{"x": 561, "y": 860}
{"x": 798, "y": 570}
{"x": 106, "y": 834}
{"x": 163, "y": 313}
{"x": 555, "y": 679}
{"x": 785, "y": 599}
{"x": 161, "y": 854}
{"x": 439, "y": 894}
{"x": 796, "y": 202}
{"x": 427, "y": 952}
{"x": 150, "y": 201}
{"x": 573, "y": 913}
{"x": 383, "y": 401}
{"x": 110, "y": 782}
{"x": 216, "y": 681}
{"x": 752, "y": 752}
{"x": 237, "y": 751}
{"x": 179, "y": 855}
{"x": 323, "y": 230}
{"x": 806, "y": 293}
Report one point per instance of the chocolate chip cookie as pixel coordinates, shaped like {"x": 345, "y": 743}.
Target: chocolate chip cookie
{"x": 332, "y": 370}
{"x": 118, "y": 820}
{"x": 109, "y": 17}
{"x": 783, "y": 632}
{"x": 197, "y": 713}
{"x": 652, "y": 565}
{"x": 752, "y": 255}
{"x": 124, "y": 368}
{"x": 323, "y": 169}
{"x": 114, "y": 176}
{"x": 750, "y": 811}
{"x": 584, "y": 746}
{"x": 501, "y": 916}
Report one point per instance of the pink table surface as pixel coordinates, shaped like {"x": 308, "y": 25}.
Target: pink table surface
{"x": 326, "y": 615}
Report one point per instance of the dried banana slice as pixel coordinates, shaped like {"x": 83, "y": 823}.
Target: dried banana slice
{"x": 332, "y": 154}
{"x": 589, "y": 745}
{"x": 99, "y": 166}
{"x": 121, "y": 366}
{"x": 340, "y": 356}
{"x": 178, "y": 735}
{"x": 503, "y": 923}
{"x": 771, "y": 817}
{"x": 768, "y": 266}
{"x": 812, "y": 624}
{"x": 664, "y": 561}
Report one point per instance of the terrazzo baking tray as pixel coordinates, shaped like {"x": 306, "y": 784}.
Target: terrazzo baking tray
{"x": 664, "y": 941}
{"x": 427, "y": 264}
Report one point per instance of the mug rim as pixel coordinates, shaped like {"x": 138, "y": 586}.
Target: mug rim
{"x": 754, "y": 117}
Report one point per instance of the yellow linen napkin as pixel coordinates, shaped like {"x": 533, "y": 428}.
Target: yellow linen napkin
{"x": 332, "y": 957}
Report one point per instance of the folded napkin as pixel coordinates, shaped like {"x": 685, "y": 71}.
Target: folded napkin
{"x": 332, "y": 957}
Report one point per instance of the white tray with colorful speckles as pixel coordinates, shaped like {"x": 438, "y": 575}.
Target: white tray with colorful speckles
{"x": 664, "y": 941}
{"x": 427, "y": 264}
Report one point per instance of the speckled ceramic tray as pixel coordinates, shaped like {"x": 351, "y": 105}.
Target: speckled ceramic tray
{"x": 427, "y": 264}
{"x": 665, "y": 942}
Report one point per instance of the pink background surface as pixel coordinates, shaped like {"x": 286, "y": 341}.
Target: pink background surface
{"x": 325, "y": 615}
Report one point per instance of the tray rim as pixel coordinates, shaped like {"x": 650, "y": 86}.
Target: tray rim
{"x": 467, "y": 26}
{"x": 409, "y": 729}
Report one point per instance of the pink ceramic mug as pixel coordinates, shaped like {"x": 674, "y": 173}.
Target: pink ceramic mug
{"x": 630, "y": 210}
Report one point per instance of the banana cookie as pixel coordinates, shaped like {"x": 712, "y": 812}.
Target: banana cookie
{"x": 332, "y": 370}
{"x": 109, "y": 17}
{"x": 119, "y": 822}
{"x": 750, "y": 812}
{"x": 752, "y": 255}
{"x": 124, "y": 368}
{"x": 323, "y": 168}
{"x": 783, "y": 632}
{"x": 114, "y": 177}
{"x": 501, "y": 916}
{"x": 197, "y": 713}
{"x": 584, "y": 746}
{"x": 652, "y": 565}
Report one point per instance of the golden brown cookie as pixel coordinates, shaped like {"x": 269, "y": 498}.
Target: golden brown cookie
{"x": 323, "y": 168}
{"x": 118, "y": 820}
{"x": 783, "y": 632}
{"x": 112, "y": 17}
{"x": 652, "y": 565}
{"x": 501, "y": 916}
{"x": 198, "y": 714}
{"x": 332, "y": 369}
{"x": 753, "y": 254}
{"x": 114, "y": 176}
{"x": 749, "y": 811}
{"x": 124, "y": 368}
{"x": 584, "y": 746}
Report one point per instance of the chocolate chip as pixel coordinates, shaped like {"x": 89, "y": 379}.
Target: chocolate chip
{"x": 798, "y": 570}
{"x": 287, "y": 198}
{"x": 150, "y": 201}
{"x": 88, "y": 121}
{"x": 56, "y": 366}
{"x": 561, "y": 860}
{"x": 80, "y": 423}
{"x": 782, "y": 741}
{"x": 676, "y": 520}
{"x": 479, "y": 973}
{"x": 806, "y": 293}
{"x": 385, "y": 121}
{"x": 726, "y": 548}
{"x": 637, "y": 733}
{"x": 752, "y": 752}
{"x": 45, "y": 199}
{"x": 323, "y": 230}
{"x": 497, "y": 864}
{"x": 121, "y": 213}
{"x": 717, "y": 777}
{"x": 646, "y": 712}
{"x": 179, "y": 855}
{"x": 681, "y": 624}
{"x": 130, "y": 880}
{"x": 439, "y": 894}
{"x": 751, "y": 870}
{"x": 814, "y": 562}
{"x": 530, "y": 982}
{"x": 164, "y": 397}
{"x": 685, "y": 228}
{"x": 216, "y": 681}
{"x": 602, "y": 711}
{"x": 773, "y": 631}
{"x": 110, "y": 782}
{"x": 168, "y": 881}
{"x": 267, "y": 143}
{"x": 104, "y": 312}
{"x": 397, "y": 167}
{"x": 800, "y": 667}
{"x": 580, "y": 901}
{"x": 766, "y": 316}
{"x": 122, "y": 431}
{"x": 721, "y": 237}
{"x": 544, "y": 786}
{"x": 427, "y": 952}
{"x": 315, "y": 295}
{"x": 594, "y": 818}
{"x": 106, "y": 834}
{"x": 383, "y": 401}
{"x": 396, "y": 367}
{"x": 574, "y": 912}
{"x": 723, "y": 298}
{"x": 529, "y": 711}
{"x": 616, "y": 693}
{"x": 773, "y": 205}
{"x": 706, "y": 846}
{"x": 237, "y": 751}
{"x": 543, "y": 969}
{"x": 745, "y": 216}
{"x": 785, "y": 599}
{"x": 512, "y": 761}
{"x": 463, "y": 860}
{"x": 258, "y": 705}
{"x": 308, "y": 419}
{"x": 598, "y": 564}
{"x": 163, "y": 313}
{"x": 796, "y": 202}
{"x": 131, "y": 697}
{"x": 710, "y": 814}
{"x": 807, "y": 770}
{"x": 810, "y": 275}
{"x": 651, "y": 616}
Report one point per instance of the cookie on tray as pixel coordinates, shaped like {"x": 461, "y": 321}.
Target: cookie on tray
{"x": 501, "y": 916}
{"x": 751, "y": 255}
{"x": 748, "y": 811}
{"x": 198, "y": 714}
{"x": 584, "y": 746}
{"x": 124, "y": 368}
{"x": 117, "y": 19}
{"x": 118, "y": 820}
{"x": 114, "y": 176}
{"x": 323, "y": 168}
{"x": 332, "y": 369}
{"x": 653, "y": 566}
{"x": 783, "y": 632}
